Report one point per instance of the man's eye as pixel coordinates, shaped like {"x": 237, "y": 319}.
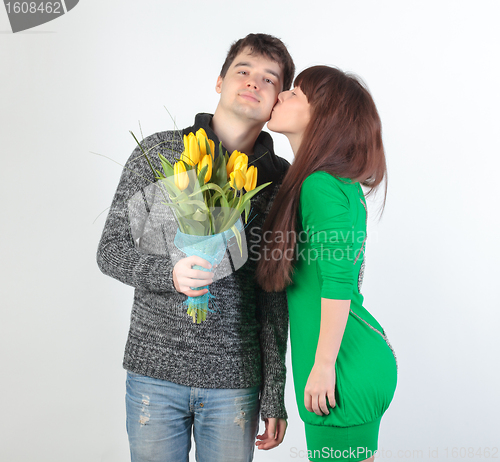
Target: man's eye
{"x": 270, "y": 81}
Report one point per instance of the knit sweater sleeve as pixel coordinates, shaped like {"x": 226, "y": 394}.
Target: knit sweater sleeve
{"x": 272, "y": 312}
{"x": 119, "y": 254}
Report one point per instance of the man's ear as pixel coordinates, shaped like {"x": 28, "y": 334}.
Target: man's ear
{"x": 218, "y": 85}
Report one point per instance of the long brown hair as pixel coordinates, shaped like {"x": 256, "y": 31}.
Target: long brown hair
{"x": 343, "y": 138}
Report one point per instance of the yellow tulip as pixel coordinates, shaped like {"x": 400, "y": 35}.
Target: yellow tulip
{"x": 206, "y": 160}
{"x": 202, "y": 138}
{"x": 237, "y": 179}
{"x": 181, "y": 177}
{"x": 251, "y": 177}
{"x": 241, "y": 163}
{"x": 201, "y": 133}
{"x": 191, "y": 154}
{"x": 230, "y": 162}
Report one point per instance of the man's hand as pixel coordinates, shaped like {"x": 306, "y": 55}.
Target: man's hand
{"x": 273, "y": 435}
{"x": 185, "y": 277}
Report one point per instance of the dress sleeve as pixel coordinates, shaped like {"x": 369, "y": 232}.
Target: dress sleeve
{"x": 118, "y": 255}
{"x": 326, "y": 220}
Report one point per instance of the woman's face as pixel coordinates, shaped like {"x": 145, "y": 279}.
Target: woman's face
{"x": 291, "y": 115}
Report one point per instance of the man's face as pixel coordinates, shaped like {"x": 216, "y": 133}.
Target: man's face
{"x": 251, "y": 87}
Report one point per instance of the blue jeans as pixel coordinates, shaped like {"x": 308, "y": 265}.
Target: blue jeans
{"x": 160, "y": 415}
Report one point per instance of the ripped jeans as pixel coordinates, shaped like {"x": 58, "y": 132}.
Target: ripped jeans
{"x": 160, "y": 415}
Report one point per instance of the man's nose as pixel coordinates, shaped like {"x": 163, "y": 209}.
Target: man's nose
{"x": 251, "y": 84}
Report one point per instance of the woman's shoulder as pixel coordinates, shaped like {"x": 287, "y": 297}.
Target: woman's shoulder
{"x": 323, "y": 182}
{"x": 325, "y": 197}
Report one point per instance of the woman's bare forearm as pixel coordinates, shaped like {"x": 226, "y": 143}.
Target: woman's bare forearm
{"x": 334, "y": 314}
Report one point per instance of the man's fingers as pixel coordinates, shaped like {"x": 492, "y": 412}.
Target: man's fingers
{"x": 189, "y": 283}
{"x": 263, "y": 436}
{"x": 194, "y": 293}
{"x": 199, "y": 274}
{"x": 195, "y": 260}
{"x": 281, "y": 430}
{"x": 271, "y": 427}
{"x": 268, "y": 439}
{"x": 186, "y": 279}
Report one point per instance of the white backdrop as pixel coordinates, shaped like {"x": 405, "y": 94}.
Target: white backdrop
{"x": 79, "y": 83}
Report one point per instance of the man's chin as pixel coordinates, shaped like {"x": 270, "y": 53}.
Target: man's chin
{"x": 251, "y": 115}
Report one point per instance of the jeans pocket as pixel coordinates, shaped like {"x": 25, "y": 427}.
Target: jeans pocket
{"x": 134, "y": 376}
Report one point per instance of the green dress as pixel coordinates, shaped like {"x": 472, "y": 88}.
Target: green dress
{"x": 330, "y": 262}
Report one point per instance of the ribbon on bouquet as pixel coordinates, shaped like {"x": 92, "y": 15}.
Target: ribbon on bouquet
{"x": 211, "y": 248}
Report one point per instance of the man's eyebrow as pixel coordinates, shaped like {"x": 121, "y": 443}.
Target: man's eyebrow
{"x": 247, "y": 64}
{"x": 270, "y": 71}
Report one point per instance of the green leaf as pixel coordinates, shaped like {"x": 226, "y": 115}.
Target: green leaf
{"x": 219, "y": 172}
{"x": 194, "y": 227}
{"x": 201, "y": 176}
{"x": 238, "y": 238}
{"x": 209, "y": 149}
{"x": 179, "y": 212}
{"x": 220, "y": 192}
{"x": 224, "y": 218}
{"x": 200, "y": 204}
{"x": 214, "y": 197}
{"x": 185, "y": 211}
{"x": 168, "y": 169}
{"x": 250, "y": 194}
{"x": 173, "y": 191}
{"x": 247, "y": 211}
{"x": 144, "y": 152}
{"x": 229, "y": 219}
{"x": 200, "y": 215}
{"x": 165, "y": 160}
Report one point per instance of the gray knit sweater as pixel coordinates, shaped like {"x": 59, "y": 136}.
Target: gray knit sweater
{"x": 242, "y": 343}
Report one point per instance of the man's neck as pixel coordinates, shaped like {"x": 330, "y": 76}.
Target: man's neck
{"x": 235, "y": 133}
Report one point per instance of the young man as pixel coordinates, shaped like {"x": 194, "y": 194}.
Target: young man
{"x": 206, "y": 377}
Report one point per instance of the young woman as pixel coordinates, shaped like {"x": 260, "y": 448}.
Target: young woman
{"x": 344, "y": 369}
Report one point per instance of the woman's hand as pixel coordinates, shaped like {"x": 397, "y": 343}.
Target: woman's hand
{"x": 320, "y": 387}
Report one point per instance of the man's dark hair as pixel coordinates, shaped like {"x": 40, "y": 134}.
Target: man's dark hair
{"x": 264, "y": 45}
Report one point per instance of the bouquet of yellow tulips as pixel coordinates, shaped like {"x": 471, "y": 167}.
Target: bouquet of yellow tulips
{"x": 208, "y": 195}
